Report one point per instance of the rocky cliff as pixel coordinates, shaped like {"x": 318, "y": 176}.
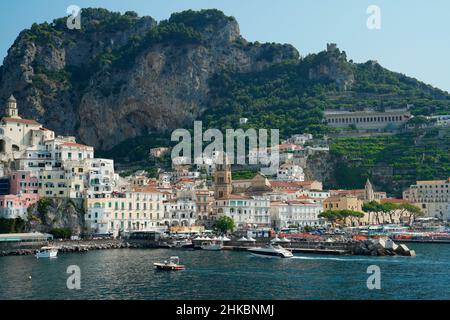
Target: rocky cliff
{"x": 123, "y": 76}
{"x": 50, "y": 213}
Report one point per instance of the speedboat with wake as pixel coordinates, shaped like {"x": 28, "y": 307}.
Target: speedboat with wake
{"x": 275, "y": 251}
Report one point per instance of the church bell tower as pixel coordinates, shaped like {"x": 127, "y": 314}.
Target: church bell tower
{"x": 222, "y": 180}
{"x": 11, "y": 108}
{"x": 369, "y": 194}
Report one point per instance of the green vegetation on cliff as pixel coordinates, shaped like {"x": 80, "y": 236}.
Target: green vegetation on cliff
{"x": 395, "y": 161}
{"x": 290, "y": 97}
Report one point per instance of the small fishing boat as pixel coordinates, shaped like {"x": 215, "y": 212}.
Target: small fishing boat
{"x": 275, "y": 251}
{"x": 212, "y": 246}
{"x": 172, "y": 265}
{"x": 47, "y": 252}
{"x": 184, "y": 244}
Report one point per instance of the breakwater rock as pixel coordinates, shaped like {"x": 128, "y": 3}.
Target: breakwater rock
{"x": 381, "y": 247}
{"x": 72, "y": 247}
{"x": 85, "y": 247}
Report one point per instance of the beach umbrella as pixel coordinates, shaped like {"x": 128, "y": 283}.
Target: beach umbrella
{"x": 284, "y": 239}
{"x": 276, "y": 239}
{"x": 243, "y": 239}
{"x": 251, "y": 239}
{"x": 226, "y": 239}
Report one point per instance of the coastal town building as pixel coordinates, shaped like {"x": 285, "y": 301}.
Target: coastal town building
{"x": 296, "y": 185}
{"x": 290, "y": 172}
{"x": 246, "y": 211}
{"x": 299, "y": 139}
{"x": 23, "y": 182}
{"x": 368, "y": 119}
{"x": 316, "y": 195}
{"x": 17, "y": 133}
{"x": 204, "y": 200}
{"x": 14, "y": 206}
{"x": 180, "y": 212}
{"x": 441, "y": 120}
{"x": 343, "y": 202}
{"x": 285, "y": 214}
{"x": 141, "y": 209}
{"x": 433, "y": 197}
{"x": 367, "y": 194}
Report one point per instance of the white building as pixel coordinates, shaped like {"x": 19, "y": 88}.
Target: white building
{"x": 290, "y": 172}
{"x": 180, "y": 212}
{"x": 441, "y": 120}
{"x": 368, "y": 119}
{"x": 17, "y": 133}
{"x": 433, "y": 197}
{"x": 300, "y": 139}
{"x": 299, "y": 213}
{"x": 316, "y": 195}
{"x": 101, "y": 178}
{"x": 246, "y": 211}
{"x": 63, "y": 167}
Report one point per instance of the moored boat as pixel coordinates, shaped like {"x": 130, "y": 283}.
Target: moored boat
{"x": 212, "y": 246}
{"x": 184, "y": 244}
{"x": 172, "y": 265}
{"x": 47, "y": 252}
{"x": 275, "y": 251}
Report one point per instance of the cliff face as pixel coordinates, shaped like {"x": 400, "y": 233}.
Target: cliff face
{"x": 123, "y": 76}
{"x": 332, "y": 65}
{"x": 51, "y": 213}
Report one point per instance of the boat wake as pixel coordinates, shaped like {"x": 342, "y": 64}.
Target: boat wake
{"x": 350, "y": 259}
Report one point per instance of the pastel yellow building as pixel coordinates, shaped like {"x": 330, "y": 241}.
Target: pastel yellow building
{"x": 138, "y": 210}
{"x": 343, "y": 203}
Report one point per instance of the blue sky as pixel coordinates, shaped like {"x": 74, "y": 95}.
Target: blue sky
{"x": 413, "y": 38}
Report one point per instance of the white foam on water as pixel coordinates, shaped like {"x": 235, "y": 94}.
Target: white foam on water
{"x": 350, "y": 259}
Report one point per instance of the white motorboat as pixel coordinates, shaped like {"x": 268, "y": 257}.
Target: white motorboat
{"x": 212, "y": 246}
{"x": 270, "y": 250}
{"x": 172, "y": 265}
{"x": 47, "y": 252}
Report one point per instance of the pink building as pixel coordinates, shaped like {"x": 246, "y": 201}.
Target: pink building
{"x": 23, "y": 182}
{"x": 13, "y": 206}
